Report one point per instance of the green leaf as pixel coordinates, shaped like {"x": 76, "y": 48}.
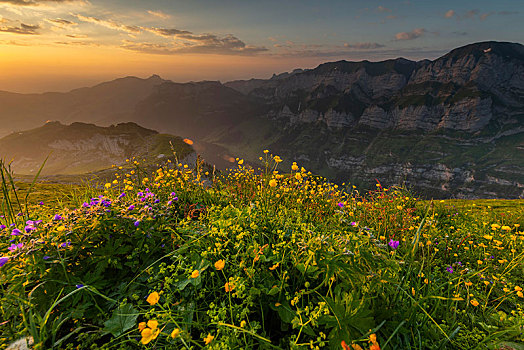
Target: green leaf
{"x": 123, "y": 319}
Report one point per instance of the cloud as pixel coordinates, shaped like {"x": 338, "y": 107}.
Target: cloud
{"x": 470, "y": 14}
{"x": 61, "y": 23}
{"x": 203, "y": 44}
{"x": 77, "y": 36}
{"x": 485, "y": 15}
{"x": 363, "y": 46}
{"x": 159, "y": 14}
{"x": 23, "y": 28}
{"x": 110, "y": 24}
{"x": 415, "y": 33}
{"x": 167, "y": 32}
{"x": 383, "y": 9}
{"x": 449, "y": 14}
{"x": 36, "y": 2}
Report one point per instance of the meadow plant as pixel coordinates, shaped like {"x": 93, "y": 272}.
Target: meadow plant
{"x": 271, "y": 258}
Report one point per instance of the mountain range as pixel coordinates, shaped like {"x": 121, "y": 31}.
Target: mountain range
{"x": 449, "y": 127}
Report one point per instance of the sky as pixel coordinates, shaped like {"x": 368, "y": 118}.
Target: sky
{"x": 58, "y": 45}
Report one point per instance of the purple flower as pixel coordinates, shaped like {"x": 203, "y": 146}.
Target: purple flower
{"x": 57, "y": 217}
{"x": 29, "y": 228}
{"x": 458, "y": 263}
{"x": 16, "y": 232}
{"x": 173, "y": 194}
{"x": 131, "y": 207}
{"x": 175, "y": 199}
{"x": 393, "y": 244}
{"x": 15, "y": 246}
{"x": 3, "y": 260}
{"x": 341, "y": 205}
{"x": 142, "y": 199}
{"x": 41, "y": 203}
{"x": 85, "y": 205}
{"x": 78, "y": 286}
{"x": 353, "y": 223}
{"x": 137, "y": 223}
{"x": 46, "y": 257}
{"x": 140, "y": 194}
{"x": 19, "y": 214}
{"x": 449, "y": 269}
{"x": 2, "y": 227}
{"x": 169, "y": 202}
{"x": 157, "y": 201}
{"x": 65, "y": 244}
{"x": 122, "y": 195}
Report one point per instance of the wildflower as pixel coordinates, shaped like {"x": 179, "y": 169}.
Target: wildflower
{"x": 141, "y": 326}
{"x": 345, "y": 346}
{"x": 518, "y": 289}
{"x": 341, "y": 205}
{"x": 175, "y": 333}
{"x": 449, "y": 269}
{"x": 468, "y": 284}
{"x": 353, "y": 223}
{"x": 153, "y": 298}
{"x": 2, "y": 227}
{"x": 57, "y": 217}
{"x": 195, "y": 274}
{"x": 219, "y": 265}
{"x": 277, "y": 159}
{"x": 229, "y": 287}
{"x": 107, "y": 185}
{"x": 78, "y": 286}
{"x": 242, "y": 324}
{"x": 122, "y": 195}
{"x": 131, "y": 207}
{"x": 240, "y": 162}
{"x": 519, "y": 293}
{"x": 479, "y": 262}
{"x": 393, "y": 244}
{"x": 505, "y": 228}
{"x": 399, "y": 207}
{"x": 16, "y": 232}
{"x": 294, "y": 167}
{"x": 474, "y": 302}
{"x": 136, "y": 223}
{"x": 65, "y": 244}
{"x": 15, "y": 246}
{"x": 3, "y": 260}
{"x": 188, "y": 141}
{"x": 208, "y": 339}
{"x": 149, "y": 334}
{"x": 273, "y": 183}
{"x": 274, "y": 266}
{"x": 46, "y": 257}
{"x": 40, "y": 203}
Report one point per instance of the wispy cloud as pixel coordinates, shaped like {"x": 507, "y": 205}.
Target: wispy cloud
{"x": 202, "y": 44}
{"x": 61, "y": 23}
{"x": 23, "y": 28}
{"x": 363, "y": 46}
{"x": 110, "y": 24}
{"x": 166, "y": 32}
{"x": 159, "y": 14}
{"x": 415, "y": 33}
{"x": 37, "y": 2}
{"x": 383, "y": 9}
{"x": 449, "y": 14}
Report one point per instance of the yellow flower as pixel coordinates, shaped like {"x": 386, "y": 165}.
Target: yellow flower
{"x": 468, "y": 284}
{"x": 242, "y": 324}
{"x": 240, "y": 162}
{"x": 208, "y": 339}
{"x": 229, "y": 287}
{"x": 294, "y": 167}
{"x": 474, "y": 302}
{"x": 141, "y": 326}
{"x": 273, "y": 183}
{"x": 175, "y": 333}
{"x": 277, "y": 159}
{"x": 519, "y": 293}
{"x": 399, "y": 207}
{"x": 149, "y": 334}
{"x": 373, "y": 338}
{"x": 479, "y": 262}
{"x": 107, "y": 185}
{"x": 518, "y": 289}
{"x": 153, "y": 298}
{"x": 219, "y": 265}
{"x": 195, "y": 274}
{"x": 488, "y": 237}
{"x": 506, "y": 228}
{"x": 274, "y": 266}
{"x": 152, "y": 324}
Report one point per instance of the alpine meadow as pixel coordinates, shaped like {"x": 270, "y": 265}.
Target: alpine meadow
{"x": 288, "y": 175}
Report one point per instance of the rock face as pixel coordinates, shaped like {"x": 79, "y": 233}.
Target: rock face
{"x": 451, "y": 127}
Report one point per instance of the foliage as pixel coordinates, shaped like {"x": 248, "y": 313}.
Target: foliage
{"x": 184, "y": 258}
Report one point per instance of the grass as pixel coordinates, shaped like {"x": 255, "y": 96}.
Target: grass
{"x": 272, "y": 258}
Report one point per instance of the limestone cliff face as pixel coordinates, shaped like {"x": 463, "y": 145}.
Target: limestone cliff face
{"x": 450, "y": 127}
